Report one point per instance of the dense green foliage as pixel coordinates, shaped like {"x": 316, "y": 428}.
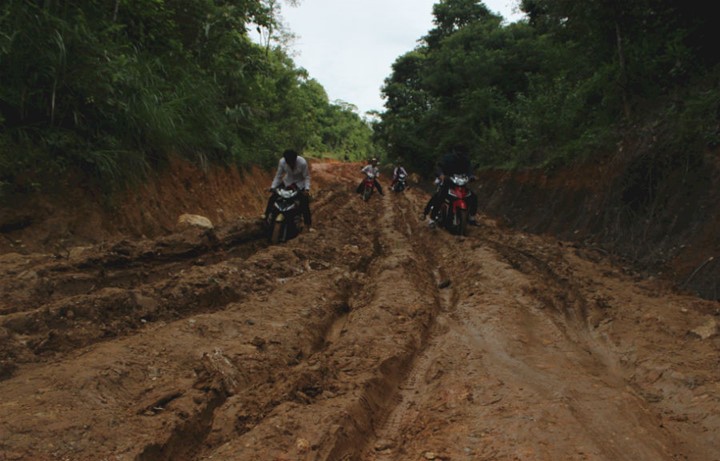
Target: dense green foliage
{"x": 113, "y": 88}
{"x": 558, "y": 86}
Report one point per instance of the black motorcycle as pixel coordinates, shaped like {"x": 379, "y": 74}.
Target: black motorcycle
{"x": 401, "y": 183}
{"x": 285, "y": 219}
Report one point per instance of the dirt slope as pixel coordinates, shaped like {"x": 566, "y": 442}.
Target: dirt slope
{"x": 657, "y": 209}
{"x": 374, "y": 338}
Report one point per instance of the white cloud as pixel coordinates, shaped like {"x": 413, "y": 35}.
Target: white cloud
{"x": 349, "y": 45}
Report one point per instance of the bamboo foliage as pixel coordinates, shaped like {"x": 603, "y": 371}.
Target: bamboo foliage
{"x": 113, "y": 88}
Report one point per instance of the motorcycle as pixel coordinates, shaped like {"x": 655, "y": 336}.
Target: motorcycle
{"x": 285, "y": 219}
{"x": 453, "y": 213}
{"x": 368, "y": 186}
{"x": 401, "y": 183}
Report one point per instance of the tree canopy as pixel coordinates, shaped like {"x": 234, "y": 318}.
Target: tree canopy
{"x": 114, "y": 87}
{"x": 557, "y": 86}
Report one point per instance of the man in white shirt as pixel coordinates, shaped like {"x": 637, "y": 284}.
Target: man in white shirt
{"x": 293, "y": 169}
{"x": 372, "y": 169}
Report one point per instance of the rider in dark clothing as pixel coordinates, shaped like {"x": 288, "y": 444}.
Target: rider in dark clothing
{"x": 399, "y": 170}
{"x": 457, "y": 161}
{"x": 437, "y": 182}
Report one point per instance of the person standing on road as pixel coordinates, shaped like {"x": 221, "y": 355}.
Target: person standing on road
{"x": 292, "y": 170}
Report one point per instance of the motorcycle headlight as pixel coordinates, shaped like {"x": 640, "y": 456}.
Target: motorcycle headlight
{"x": 460, "y": 179}
{"x": 286, "y": 193}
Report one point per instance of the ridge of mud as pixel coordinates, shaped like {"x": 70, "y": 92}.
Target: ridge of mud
{"x": 353, "y": 412}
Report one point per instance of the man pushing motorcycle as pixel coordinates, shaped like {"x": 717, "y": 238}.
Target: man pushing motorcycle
{"x": 293, "y": 170}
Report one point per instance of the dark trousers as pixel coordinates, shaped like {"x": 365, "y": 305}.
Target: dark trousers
{"x": 304, "y": 199}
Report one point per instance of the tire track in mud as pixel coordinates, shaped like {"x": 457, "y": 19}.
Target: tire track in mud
{"x": 515, "y": 363}
{"x": 177, "y": 412}
{"x": 385, "y": 437}
{"x": 364, "y": 361}
{"x": 387, "y": 442}
{"x": 381, "y": 447}
{"x": 142, "y": 283}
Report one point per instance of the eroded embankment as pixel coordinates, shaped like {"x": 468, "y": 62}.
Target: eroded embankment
{"x": 647, "y": 209}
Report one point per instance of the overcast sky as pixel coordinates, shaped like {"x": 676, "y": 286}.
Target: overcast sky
{"x": 349, "y": 45}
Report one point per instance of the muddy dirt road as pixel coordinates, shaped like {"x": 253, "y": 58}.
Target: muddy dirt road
{"x": 373, "y": 338}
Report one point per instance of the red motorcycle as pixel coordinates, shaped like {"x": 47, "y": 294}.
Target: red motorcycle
{"x": 368, "y": 185}
{"x": 453, "y": 213}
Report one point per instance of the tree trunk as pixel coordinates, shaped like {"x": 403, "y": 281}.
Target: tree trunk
{"x": 623, "y": 71}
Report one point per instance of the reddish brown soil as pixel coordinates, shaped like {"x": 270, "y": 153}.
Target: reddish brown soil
{"x": 78, "y": 214}
{"x": 374, "y": 338}
{"x": 647, "y": 207}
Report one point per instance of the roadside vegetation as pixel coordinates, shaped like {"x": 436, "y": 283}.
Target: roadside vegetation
{"x": 110, "y": 89}
{"x": 566, "y": 84}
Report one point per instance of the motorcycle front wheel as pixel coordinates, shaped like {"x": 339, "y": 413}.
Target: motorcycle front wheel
{"x": 277, "y": 232}
{"x": 367, "y": 193}
{"x": 462, "y": 225}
